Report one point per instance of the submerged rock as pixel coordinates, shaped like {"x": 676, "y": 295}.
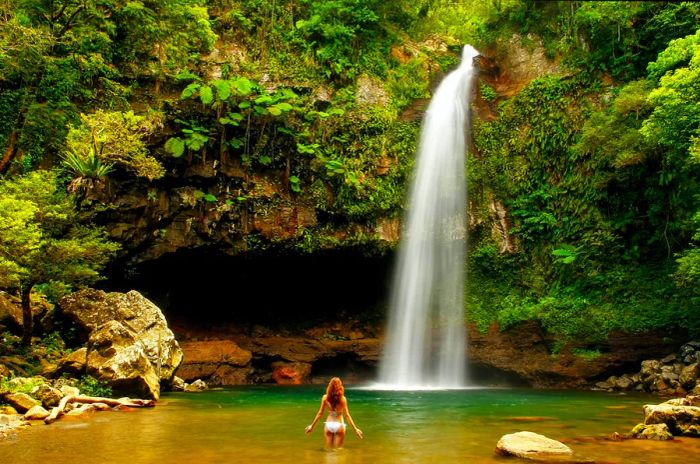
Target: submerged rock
{"x": 10, "y": 421}
{"x": 529, "y": 445}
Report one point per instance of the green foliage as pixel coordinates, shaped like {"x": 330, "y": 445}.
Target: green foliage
{"x": 334, "y": 30}
{"x": 86, "y": 165}
{"x": 91, "y": 386}
{"x": 10, "y": 386}
{"x": 594, "y": 212}
{"x": 41, "y": 237}
{"x": 487, "y": 92}
{"x": 114, "y": 138}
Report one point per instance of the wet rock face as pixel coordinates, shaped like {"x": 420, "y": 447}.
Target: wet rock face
{"x": 91, "y": 309}
{"x": 525, "y": 351}
{"x": 153, "y": 220}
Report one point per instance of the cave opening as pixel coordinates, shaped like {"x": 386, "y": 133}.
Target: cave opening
{"x": 208, "y": 289}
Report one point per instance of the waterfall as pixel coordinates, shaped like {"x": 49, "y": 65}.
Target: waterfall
{"x": 426, "y": 338}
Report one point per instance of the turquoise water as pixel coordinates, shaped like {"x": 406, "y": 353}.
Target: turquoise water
{"x": 266, "y": 424}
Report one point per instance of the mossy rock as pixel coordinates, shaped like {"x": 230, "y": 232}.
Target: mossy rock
{"x": 651, "y": 432}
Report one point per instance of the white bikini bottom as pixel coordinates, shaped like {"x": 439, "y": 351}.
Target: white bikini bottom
{"x": 334, "y": 427}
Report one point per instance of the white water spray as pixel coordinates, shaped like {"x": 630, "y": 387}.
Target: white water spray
{"x": 426, "y": 339}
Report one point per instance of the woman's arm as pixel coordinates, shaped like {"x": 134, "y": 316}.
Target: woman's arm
{"x": 358, "y": 432}
{"x": 318, "y": 415}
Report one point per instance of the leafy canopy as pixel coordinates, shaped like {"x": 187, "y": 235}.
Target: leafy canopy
{"x": 41, "y": 237}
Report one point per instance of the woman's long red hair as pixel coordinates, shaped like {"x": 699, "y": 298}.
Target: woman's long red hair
{"x": 335, "y": 392}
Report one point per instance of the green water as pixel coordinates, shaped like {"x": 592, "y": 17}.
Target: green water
{"x": 266, "y": 424}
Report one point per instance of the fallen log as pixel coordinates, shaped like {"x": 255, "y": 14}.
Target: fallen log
{"x": 132, "y": 403}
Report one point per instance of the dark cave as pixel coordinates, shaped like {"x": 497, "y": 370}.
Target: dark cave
{"x": 206, "y": 288}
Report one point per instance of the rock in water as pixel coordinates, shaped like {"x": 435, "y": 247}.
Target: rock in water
{"x": 652, "y": 432}
{"x": 91, "y": 308}
{"x": 196, "y": 386}
{"x": 177, "y": 384}
{"x": 680, "y": 419}
{"x": 36, "y": 413}
{"x": 529, "y": 445}
{"x": 115, "y": 356}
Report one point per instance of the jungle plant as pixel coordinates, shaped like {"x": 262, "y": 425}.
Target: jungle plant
{"x": 114, "y": 139}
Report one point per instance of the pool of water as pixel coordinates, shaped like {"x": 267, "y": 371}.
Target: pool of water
{"x": 266, "y": 424}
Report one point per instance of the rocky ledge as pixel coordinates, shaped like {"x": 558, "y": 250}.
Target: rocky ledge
{"x": 677, "y": 374}
{"x": 289, "y": 360}
{"x": 522, "y": 354}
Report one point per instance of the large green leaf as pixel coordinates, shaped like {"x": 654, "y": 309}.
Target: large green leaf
{"x": 223, "y": 89}
{"x": 175, "y": 146}
{"x": 206, "y": 94}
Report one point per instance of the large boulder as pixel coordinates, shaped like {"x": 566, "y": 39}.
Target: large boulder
{"x": 529, "y": 445}
{"x": 689, "y": 376}
{"x": 74, "y": 363}
{"x": 117, "y": 357}
{"x": 91, "y": 308}
{"x": 680, "y": 419}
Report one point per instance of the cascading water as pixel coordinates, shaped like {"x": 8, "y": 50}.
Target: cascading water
{"x": 426, "y": 339}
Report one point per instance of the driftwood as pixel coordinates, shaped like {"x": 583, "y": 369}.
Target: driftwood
{"x": 58, "y": 410}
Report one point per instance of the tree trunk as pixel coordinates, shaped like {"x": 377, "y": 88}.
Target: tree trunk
{"x": 26, "y": 294}
{"x": 128, "y": 402}
{"x": 9, "y": 153}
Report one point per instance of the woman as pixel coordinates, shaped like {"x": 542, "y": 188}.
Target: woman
{"x": 337, "y": 404}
